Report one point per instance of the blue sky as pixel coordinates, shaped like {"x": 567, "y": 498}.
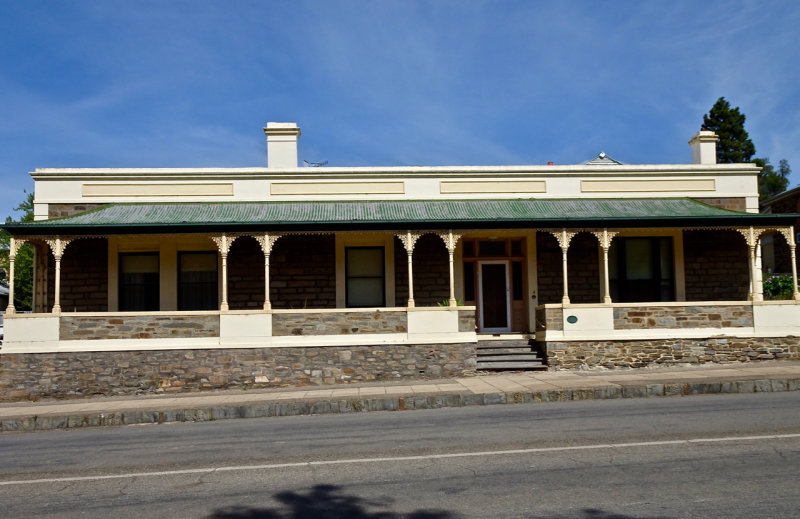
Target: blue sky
{"x": 168, "y": 84}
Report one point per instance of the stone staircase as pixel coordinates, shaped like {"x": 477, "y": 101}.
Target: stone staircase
{"x": 509, "y": 355}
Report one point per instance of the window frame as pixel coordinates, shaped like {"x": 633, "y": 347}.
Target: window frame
{"x": 348, "y": 277}
{"x": 180, "y": 297}
{"x": 121, "y": 285}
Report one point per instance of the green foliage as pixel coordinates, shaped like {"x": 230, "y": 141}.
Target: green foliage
{"x": 734, "y": 145}
{"x": 446, "y": 302}
{"x": 23, "y": 264}
{"x": 771, "y": 182}
{"x": 778, "y": 286}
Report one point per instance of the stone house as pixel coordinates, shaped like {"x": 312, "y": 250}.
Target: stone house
{"x": 786, "y": 202}
{"x": 181, "y": 279}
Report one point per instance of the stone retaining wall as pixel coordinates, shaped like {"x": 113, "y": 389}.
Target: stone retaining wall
{"x": 636, "y": 354}
{"x": 339, "y": 323}
{"x": 466, "y": 320}
{"x": 138, "y": 327}
{"x": 549, "y": 319}
{"x": 32, "y": 376}
{"x": 648, "y": 317}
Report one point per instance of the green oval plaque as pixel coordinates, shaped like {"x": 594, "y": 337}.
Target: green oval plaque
{"x": 572, "y": 319}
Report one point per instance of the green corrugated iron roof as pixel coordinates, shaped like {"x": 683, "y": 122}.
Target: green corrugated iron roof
{"x": 394, "y": 214}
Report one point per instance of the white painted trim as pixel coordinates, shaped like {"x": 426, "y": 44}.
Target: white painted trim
{"x": 205, "y": 343}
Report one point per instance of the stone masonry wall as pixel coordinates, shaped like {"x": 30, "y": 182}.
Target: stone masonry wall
{"x": 583, "y": 269}
{"x": 730, "y": 203}
{"x": 33, "y": 376}
{"x": 246, "y": 275}
{"x": 138, "y": 327}
{"x": 637, "y": 354}
{"x": 646, "y": 317}
{"x": 339, "y": 323}
{"x": 466, "y": 320}
{"x": 62, "y": 210}
{"x": 302, "y": 272}
{"x": 549, "y": 270}
{"x": 716, "y": 266}
{"x": 431, "y": 272}
{"x": 549, "y": 319}
{"x": 84, "y": 276}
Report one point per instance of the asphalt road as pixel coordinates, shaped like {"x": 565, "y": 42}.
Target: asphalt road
{"x": 704, "y": 456}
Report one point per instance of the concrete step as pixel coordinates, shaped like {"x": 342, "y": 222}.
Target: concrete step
{"x": 512, "y": 366}
{"x": 501, "y": 351}
{"x": 514, "y": 343}
{"x": 509, "y": 358}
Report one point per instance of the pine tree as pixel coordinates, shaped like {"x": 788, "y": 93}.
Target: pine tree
{"x": 734, "y": 145}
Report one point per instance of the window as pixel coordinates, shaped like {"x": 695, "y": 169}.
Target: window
{"x": 365, "y": 277}
{"x": 197, "y": 281}
{"x": 641, "y": 269}
{"x": 138, "y": 282}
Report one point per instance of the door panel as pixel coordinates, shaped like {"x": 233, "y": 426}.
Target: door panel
{"x": 494, "y": 296}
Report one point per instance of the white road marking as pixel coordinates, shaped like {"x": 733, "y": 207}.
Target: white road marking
{"x": 272, "y": 466}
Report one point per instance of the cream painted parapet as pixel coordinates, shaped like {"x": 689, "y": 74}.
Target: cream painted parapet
{"x": 266, "y": 241}
{"x": 252, "y": 328}
{"x": 409, "y": 239}
{"x": 26, "y": 332}
{"x": 450, "y": 241}
{"x": 437, "y": 324}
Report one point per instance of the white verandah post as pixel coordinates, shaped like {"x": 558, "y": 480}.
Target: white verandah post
{"x": 267, "y": 241}
{"x": 564, "y": 238}
{"x": 58, "y": 245}
{"x": 224, "y": 242}
{"x": 605, "y": 238}
{"x": 409, "y": 239}
{"x": 450, "y": 241}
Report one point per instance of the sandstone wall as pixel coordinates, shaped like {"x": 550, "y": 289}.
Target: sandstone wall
{"x": 84, "y": 276}
{"x": 138, "y": 327}
{"x": 648, "y": 317}
{"x": 716, "y": 266}
{"x": 71, "y": 375}
{"x": 636, "y": 354}
{"x": 339, "y": 323}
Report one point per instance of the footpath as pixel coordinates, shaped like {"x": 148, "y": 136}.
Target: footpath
{"x": 482, "y": 389}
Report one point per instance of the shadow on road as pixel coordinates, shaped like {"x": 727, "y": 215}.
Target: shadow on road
{"x": 325, "y": 502}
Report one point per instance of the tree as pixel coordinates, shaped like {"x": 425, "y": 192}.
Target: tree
{"x": 734, "y": 145}
{"x": 23, "y": 264}
{"x": 771, "y": 182}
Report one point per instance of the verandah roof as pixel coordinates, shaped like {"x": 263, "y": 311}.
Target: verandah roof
{"x": 128, "y": 218}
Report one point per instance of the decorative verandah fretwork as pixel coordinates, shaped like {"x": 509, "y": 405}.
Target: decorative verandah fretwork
{"x": 409, "y": 240}
{"x": 751, "y": 235}
{"x": 58, "y": 245}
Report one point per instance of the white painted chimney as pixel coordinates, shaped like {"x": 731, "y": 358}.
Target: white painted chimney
{"x": 282, "y": 145}
{"x": 704, "y": 147}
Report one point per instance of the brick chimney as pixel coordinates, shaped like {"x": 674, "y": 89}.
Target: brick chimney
{"x": 704, "y": 147}
{"x": 282, "y": 145}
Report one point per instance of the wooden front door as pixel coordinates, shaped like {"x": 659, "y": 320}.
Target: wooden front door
{"x": 493, "y": 286}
